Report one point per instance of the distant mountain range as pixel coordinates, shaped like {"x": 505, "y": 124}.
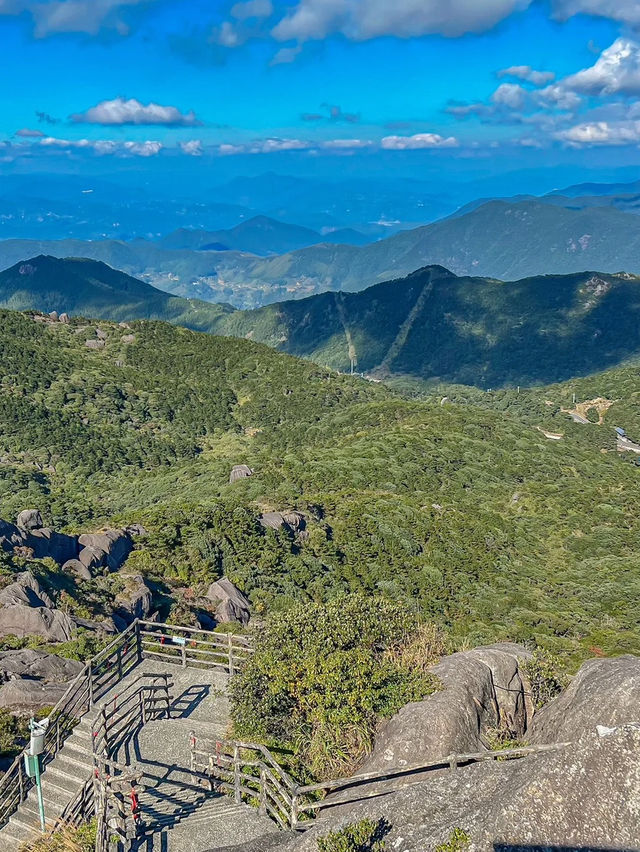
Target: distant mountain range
{"x": 432, "y": 325}
{"x": 505, "y": 239}
{"x": 439, "y": 327}
{"x": 259, "y": 235}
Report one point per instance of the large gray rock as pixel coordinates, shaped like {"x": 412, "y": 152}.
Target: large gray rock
{"x": 109, "y": 549}
{"x": 25, "y": 591}
{"x": 240, "y": 471}
{"x": 38, "y": 665}
{"x": 10, "y": 536}
{"x": 77, "y": 569}
{"x": 272, "y": 520}
{"x": 30, "y": 519}
{"x": 231, "y": 604}
{"x": 584, "y": 797}
{"x": 106, "y": 625}
{"x": 19, "y": 620}
{"x": 481, "y": 689}
{"x": 92, "y": 559}
{"x": 47, "y": 543}
{"x": 604, "y": 692}
{"x": 27, "y": 696}
{"x": 136, "y": 601}
{"x": 295, "y": 521}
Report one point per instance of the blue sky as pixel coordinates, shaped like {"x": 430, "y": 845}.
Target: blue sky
{"x": 380, "y": 83}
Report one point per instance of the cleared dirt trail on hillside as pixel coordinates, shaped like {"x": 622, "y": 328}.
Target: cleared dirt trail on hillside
{"x": 353, "y": 355}
{"x": 404, "y": 331}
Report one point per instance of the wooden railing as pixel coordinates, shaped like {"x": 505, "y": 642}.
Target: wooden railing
{"x": 188, "y": 646}
{"x": 147, "y": 697}
{"x": 251, "y": 773}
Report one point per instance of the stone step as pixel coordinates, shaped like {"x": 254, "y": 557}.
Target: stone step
{"x": 18, "y": 834}
{"x": 77, "y": 770}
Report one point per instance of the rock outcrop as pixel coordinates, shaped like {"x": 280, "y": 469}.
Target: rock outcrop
{"x": 25, "y": 591}
{"x": 585, "y": 797}
{"x": 77, "y": 569}
{"x": 231, "y": 604}
{"x": 22, "y": 621}
{"x": 10, "y": 536}
{"x": 240, "y": 471}
{"x": 33, "y": 679}
{"x": 95, "y": 551}
{"x": 605, "y": 692}
{"x": 47, "y": 543}
{"x": 481, "y": 689}
{"x": 25, "y": 610}
{"x": 108, "y": 549}
{"x": 30, "y": 519}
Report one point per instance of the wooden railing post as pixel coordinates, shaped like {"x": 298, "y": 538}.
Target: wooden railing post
{"x": 119, "y": 657}
{"x": 237, "y": 792}
{"x": 143, "y": 713}
{"x": 294, "y": 808}
{"x": 184, "y": 655}
{"x": 232, "y": 670}
{"x": 90, "y": 684}
{"x": 262, "y": 807}
{"x": 21, "y": 781}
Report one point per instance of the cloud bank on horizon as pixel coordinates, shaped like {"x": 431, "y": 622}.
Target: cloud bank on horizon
{"x": 582, "y": 99}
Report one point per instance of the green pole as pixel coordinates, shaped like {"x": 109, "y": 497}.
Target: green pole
{"x": 39, "y": 789}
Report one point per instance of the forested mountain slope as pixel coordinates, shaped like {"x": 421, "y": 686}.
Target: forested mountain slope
{"x": 91, "y": 288}
{"x": 432, "y": 325}
{"x": 439, "y": 327}
{"x": 462, "y": 509}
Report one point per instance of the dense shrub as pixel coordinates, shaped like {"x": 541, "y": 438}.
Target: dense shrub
{"x": 323, "y": 675}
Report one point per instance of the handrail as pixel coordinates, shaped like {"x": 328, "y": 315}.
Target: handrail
{"x": 302, "y": 800}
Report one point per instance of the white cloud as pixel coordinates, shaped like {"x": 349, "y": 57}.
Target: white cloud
{"x": 104, "y": 147}
{"x": 601, "y": 133}
{"x": 528, "y": 74}
{"x": 71, "y": 16}
{"x": 625, "y": 11}
{"x": 317, "y": 19}
{"x": 193, "y": 148}
{"x": 27, "y": 133}
{"x": 143, "y": 149}
{"x": 558, "y": 96}
{"x": 342, "y": 144}
{"x": 617, "y": 71}
{"x": 418, "y": 140}
{"x": 266, "y": 146}
{"x": 227, "y": 150}
{"x": 121, "y": 112}
{"x": 510, "y": 95}
{"x": 286, "y": 55}
{"x": 252, "y": 9}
